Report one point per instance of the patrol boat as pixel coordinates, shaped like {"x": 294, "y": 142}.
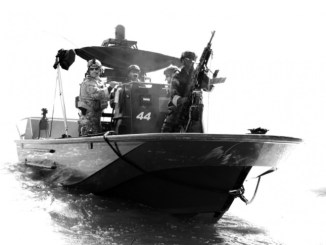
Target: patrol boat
{"x": 180, "y": 173}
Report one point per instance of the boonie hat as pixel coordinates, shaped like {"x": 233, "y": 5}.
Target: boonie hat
{"x": 189, "y": 55}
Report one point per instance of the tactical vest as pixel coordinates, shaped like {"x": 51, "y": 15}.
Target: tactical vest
{"x": 85, "y": 101}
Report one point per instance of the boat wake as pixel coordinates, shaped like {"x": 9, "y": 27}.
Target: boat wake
{"x": 74, "y": 217}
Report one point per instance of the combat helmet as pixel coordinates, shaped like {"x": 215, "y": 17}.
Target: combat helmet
{"x": 94, "y": 63}
{"x": 133, "y": 68}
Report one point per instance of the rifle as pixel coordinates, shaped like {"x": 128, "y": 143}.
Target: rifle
{"x": 199, "y": 76}
{"x": 201, "y": 68}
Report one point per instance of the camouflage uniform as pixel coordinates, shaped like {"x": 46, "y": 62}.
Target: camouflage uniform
{"x": 92, "y": 100}
{"x": 182, "y": 87}
{"x": 179, "y": 104}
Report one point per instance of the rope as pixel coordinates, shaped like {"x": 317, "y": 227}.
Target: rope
{"x": 240, "y": 192}
{"x": 118, "y": 153}
{"x": 208, "y": 96}
{"x": 256, "y": 189}
{"x": 165, "y": 178}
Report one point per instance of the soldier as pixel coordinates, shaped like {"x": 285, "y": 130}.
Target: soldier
{"x": 93, "y": 99}
{"x": 116, "y": 96}
{"x": 133, "y": 73}
{"x": 170, "y": 72}
{"x": 179, "y": 104}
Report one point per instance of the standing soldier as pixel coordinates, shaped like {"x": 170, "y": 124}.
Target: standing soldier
{"x": 179, "y": 104}
{"x": 181, "y": 87}
{"x": 133, "y": 75}
{"x": 117, "y": 94}
{"x": 93, "y": 99}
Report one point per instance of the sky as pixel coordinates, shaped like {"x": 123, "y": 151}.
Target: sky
{"x": 272, "y": 53}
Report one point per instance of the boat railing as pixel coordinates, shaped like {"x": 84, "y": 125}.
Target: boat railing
{"x": 29, "y": 128}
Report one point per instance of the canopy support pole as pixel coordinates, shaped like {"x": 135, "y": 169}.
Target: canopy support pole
{"x": 63, "y": 106}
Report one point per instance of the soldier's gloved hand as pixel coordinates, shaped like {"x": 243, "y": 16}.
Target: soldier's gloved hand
{"x": 182, "y": 100}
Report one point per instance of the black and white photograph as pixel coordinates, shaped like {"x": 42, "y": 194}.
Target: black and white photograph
{"x": 163, "y": 122}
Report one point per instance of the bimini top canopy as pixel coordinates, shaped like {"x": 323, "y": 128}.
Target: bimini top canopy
{"x": 118, "y": 58}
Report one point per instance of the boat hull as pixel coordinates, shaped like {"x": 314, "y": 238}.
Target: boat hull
{"x": 185, "y": 190}
{"x": 179, "y": 173}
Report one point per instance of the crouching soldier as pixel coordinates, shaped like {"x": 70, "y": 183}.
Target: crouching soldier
{"x": 93, "y": 99}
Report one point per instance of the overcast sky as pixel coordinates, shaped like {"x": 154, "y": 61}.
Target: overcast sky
{"x": 272, "y": 53}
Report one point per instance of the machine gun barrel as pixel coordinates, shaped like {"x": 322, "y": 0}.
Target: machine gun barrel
{"x": 202, "y": 66}
{"x": 210, "y": 41}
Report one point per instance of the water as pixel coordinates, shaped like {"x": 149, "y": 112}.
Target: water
{"x": 290, "y": 208}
